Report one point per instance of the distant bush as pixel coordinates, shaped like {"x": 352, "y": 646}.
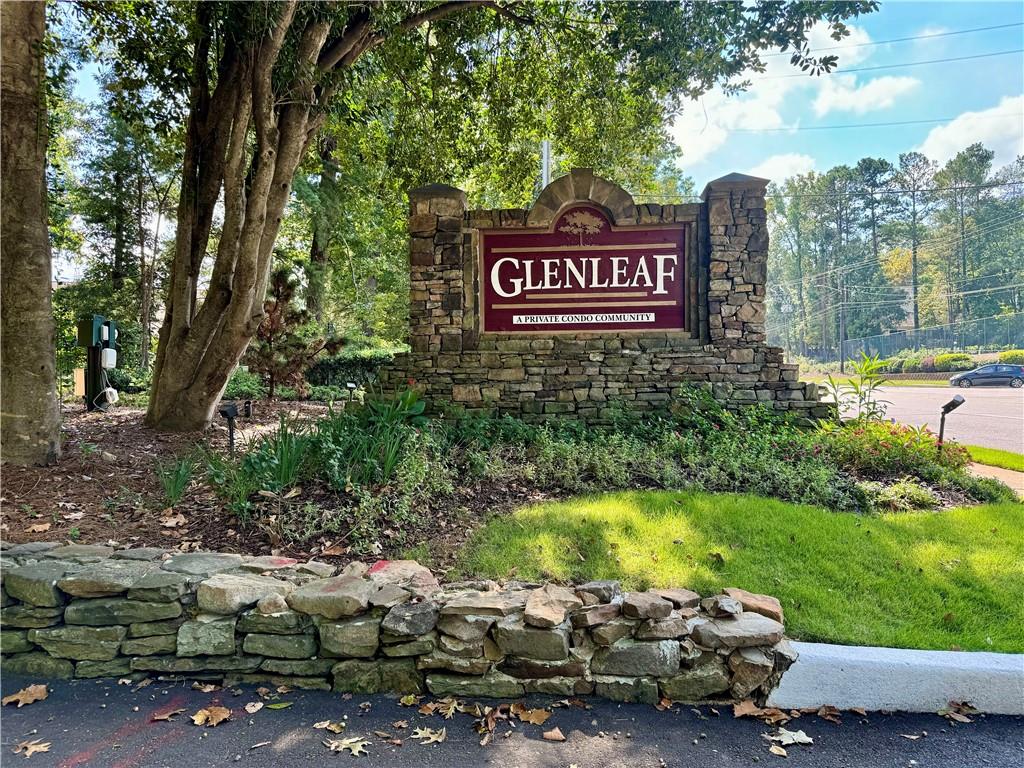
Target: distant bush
{"x": 329, "y": 394}
{"x": 1012, "y": 356}
{"x": 355, "y": 366}
{"x": 244, "y": 385}
{"x": 954, "y": 361}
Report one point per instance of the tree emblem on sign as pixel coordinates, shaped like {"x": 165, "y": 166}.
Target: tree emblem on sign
{"x": 582, "y": 223}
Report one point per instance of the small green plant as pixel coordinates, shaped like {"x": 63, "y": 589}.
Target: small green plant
{"x": 175, "y": 478}
{"x": 74, "y": 534}
{"x": 905, "y": 496}
{"x": 278, "y": 458}
{"x": 861, "y": 394}
{"x": 88, "y": 449}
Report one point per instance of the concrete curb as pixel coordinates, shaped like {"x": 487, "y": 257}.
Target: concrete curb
{"x": 901, "y": 680}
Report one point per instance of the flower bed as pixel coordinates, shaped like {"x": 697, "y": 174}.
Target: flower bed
{"x": 89, "y": 611}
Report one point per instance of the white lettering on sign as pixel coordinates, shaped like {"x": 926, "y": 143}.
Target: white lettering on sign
{"x": 576, "y": 319}
{"x": 511, "y": 276}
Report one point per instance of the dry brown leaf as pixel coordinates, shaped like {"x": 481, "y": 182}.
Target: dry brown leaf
{"x": 535, "y": 716}
{"x": 553, "y": 735}
{"x": 665, "y": 704}
{"x": 400, "y": 724}
{"x": 775, "y": 749}
{"x": 173, "y": 521}
{"x": 859, "y": 711}
{"x": 37, "y": 528}
{"x": 746, "y": 708}
{"x": 253, "y": 707}
{"x": 205, "y": 687}
{"x": 33, "y": 693}
{"x": 167, "y": 716}
{"x": 830, "y": 713}
{"x": 430, "y": 736}
{"x": 211, "y": 716}
{"x": 29, "y": 748}
{"x": 336, "y": 551}
{"x": 333, "y": 727}
{"x": 355, "y": 744}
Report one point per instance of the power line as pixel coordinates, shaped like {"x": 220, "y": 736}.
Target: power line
{"x": 863, "y": 125}
{"x": 897, "y": 66}
{"x": 864, "y": 193}
{"x": 903, "y": 39}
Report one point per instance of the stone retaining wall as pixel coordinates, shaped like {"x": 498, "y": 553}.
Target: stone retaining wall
{"x": 580, "y": 375}
{"x": 90, "y": 611}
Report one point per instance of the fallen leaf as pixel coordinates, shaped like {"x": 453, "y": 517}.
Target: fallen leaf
{"x": 787, "y": 738}
{"x": 912, "y": 737}
{"x": 280, "y": 705}
{"x": 205, "y": 687}
{"x": 830, "y": 713}
{"x": 283, "y": 689}
{"x": 746, "y": 708}
{"x": 31, "y": 747}
{"x": 383, "y": 735}
{"x": 535, "y": 716}
{"x": 29, "y": 695}
{"x": 354, "y": 744}
{"x": 448, "y": 707}
{"x": 253, "y": 707}
{"x": 168, "y": 716}
{"x": 336, "y": 551}
{"x": 553, "y": 735}
{"x": 173, "y": 521}
{"x": 859, "y": 711}
{"x": 38, "y": 528}
{"x": 330, "y": 726}
{"x": 430, "y": 736}
{"x": 400, "y": 724}
{"x": 410, "y": 700}
{"x": 665, "y": 704}
{"x": 261, "y": 744}
{"x": 211, "y": 716}
{"x": 775, "y": 749}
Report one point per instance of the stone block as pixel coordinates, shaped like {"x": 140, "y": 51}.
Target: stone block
{"x": 465, "y": 627}
{"x": 633, "y": 690}
{"x": 15, "y": 641}
{"x": 491, "y": 685}
{"x": 745, "y": 631}
{"x": 516, "y": 638}
{"x": 37, "y": 664}
{"x": 280, "y": 646}
{"x": 229, "y": 593}
{"x": 355, "y": 638}
{"x": 693, "y": 685}
{"x": 378, "y": 676}
{"x": 113, "y": 668}
{"x": 111, "y": 577}
{"x": 632, "y": 658}
{"x": 71, "y": 642}
{"x": 334, "y": 598}
{"x": 103, "y": 611}
{"x": 202, "y": 563}
{"x": 161, "y": 586}
{"x": 207, "y": 635}
{"x": 153, "y": 645}
{"x": 37, "y": 584}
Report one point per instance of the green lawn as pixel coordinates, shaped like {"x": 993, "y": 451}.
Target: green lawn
{"x": 994, "y": 457}
{"x": 934, "y": 580}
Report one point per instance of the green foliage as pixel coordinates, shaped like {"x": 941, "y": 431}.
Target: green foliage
{"x": 286, "y": 343}
{"x": 878, "y": 449}
{"x": 1012, "y": 356}
{"x": 904, "y": 496}
{"x": 954, "y": 361}
{"x": 175, "y": 478}
{"x": 352, "y": 365}
{"x": 860, "y": 394}
{"x": 244, "y": 385}
{"x": 276, "y": 461}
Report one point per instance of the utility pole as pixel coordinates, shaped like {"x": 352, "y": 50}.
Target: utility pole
{"x": 842, "y": 320}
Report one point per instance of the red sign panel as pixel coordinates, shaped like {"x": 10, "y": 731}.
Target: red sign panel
{"x": 583, "y": 275}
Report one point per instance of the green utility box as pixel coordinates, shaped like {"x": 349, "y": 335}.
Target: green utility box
{"x": 90, "y": 331}
{"x": 99, "y": 337}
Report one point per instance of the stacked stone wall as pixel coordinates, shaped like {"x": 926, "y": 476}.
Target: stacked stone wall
{"x": 582, "y": 374}
{"x": 90, "y": 611}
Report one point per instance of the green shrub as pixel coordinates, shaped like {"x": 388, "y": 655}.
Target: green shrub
{"x": 1012, "y": 356}
{"x": 287, "y": 394}
{"x": 351, "y": 366}
{"x": 277, "y": 459}
{"x": 905, "y": 496}
{"x": 175, "y": 478}
{"x": 954, "y": 361}
{"x": 882, "y": 449}
{"x": 329, "y": 394}
{"x": 244, "y": 385}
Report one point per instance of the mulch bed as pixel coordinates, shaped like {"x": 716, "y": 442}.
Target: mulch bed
{"x": 105, "y": 489}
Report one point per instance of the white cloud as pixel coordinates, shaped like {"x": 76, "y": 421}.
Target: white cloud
{"x": 779, "y": 167}
{"x": 1000, "y": 128}
{"x": 841, "y": 93}
{"x": 705, "y": 125}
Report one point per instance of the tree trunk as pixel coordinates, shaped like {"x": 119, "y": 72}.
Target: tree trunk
{"x": 30, "y": 423}
{"x": 317, "y": 269}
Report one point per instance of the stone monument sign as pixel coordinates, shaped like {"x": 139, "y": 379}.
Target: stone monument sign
{"x": 588, "y": 299}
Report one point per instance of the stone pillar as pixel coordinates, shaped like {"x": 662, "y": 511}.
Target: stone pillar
{"x": 436, "y": 255}
{"x": 738, "y": 241}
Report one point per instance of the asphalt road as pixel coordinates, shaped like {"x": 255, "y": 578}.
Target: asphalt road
{"x": 991, "y": 416}
{"x": 100, "y": 723}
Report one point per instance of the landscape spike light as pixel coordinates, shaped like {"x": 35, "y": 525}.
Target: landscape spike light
{"x": 952, "y": 405}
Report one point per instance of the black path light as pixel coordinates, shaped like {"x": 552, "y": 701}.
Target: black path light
{"x": 230, "y": 412}
{"x": 952, "y": 405}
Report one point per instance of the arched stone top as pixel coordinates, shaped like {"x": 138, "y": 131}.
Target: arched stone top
{"x": 582, "y": 185}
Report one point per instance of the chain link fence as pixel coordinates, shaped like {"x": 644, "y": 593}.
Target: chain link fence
{"x": 983, "y": 334}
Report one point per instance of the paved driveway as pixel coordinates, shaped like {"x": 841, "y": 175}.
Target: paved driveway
{"x": 991, "y": 416}
{"x": 99, "y": 723}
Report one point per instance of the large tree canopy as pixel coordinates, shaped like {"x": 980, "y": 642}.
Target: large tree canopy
{"x": 468, "y": 83}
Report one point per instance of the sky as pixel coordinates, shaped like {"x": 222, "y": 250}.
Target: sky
{"x": 721, "y": 134}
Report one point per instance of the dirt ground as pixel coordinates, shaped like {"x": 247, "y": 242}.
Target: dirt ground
{"x": 105, "y": 489}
